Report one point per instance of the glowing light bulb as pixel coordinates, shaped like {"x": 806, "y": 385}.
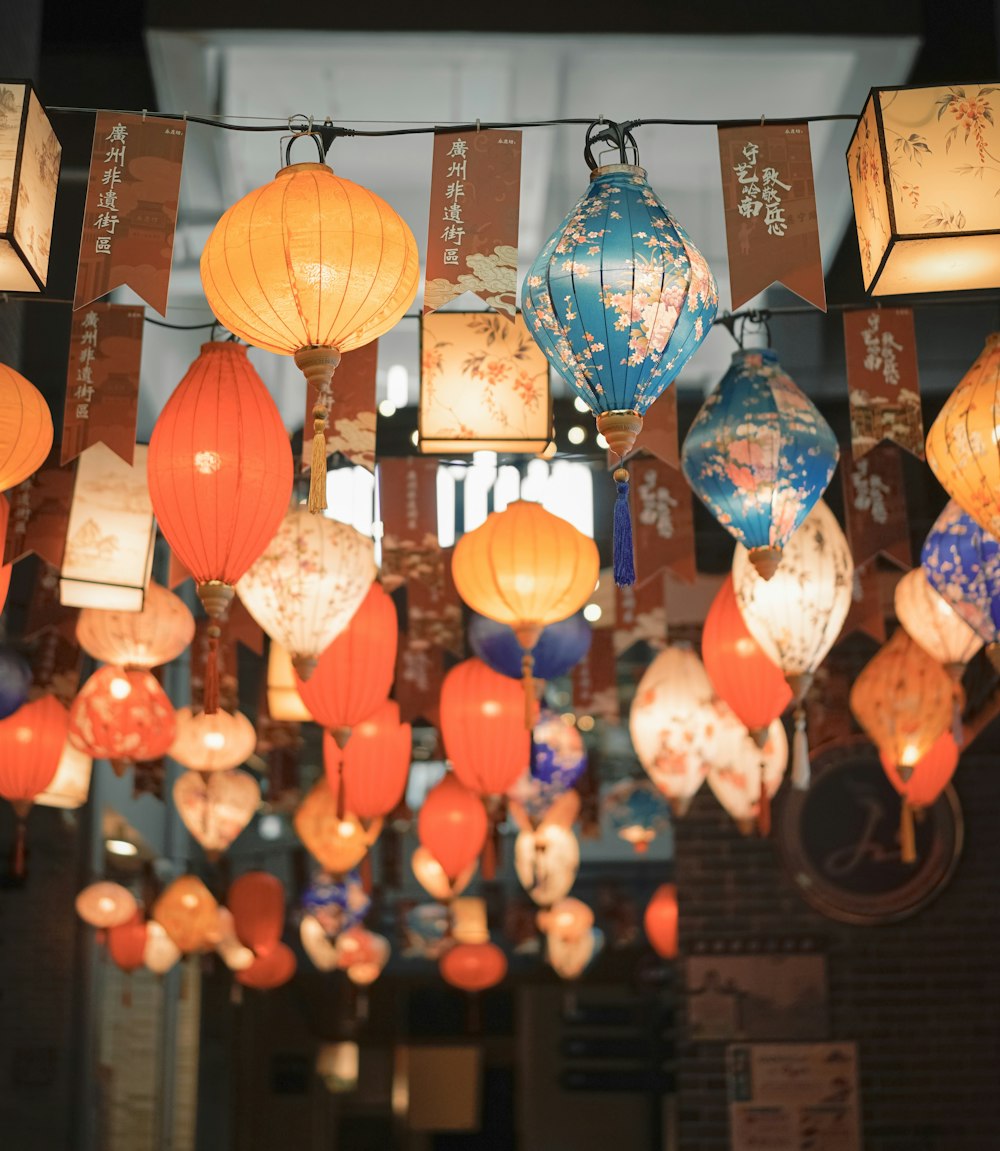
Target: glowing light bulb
{"x": 387, "y": 408}
{"x": 105, "y": 904}
{"x": 580, "y": 404}
{"x": 576, "y": 434}
{"x": 490, "y": 707}
{"x": 120, "y": 688}
{"x": 189, "y": 900}
{"x": 345, "y": 829}
{"x": 592, "y": 612}
{"x": 214, "y": 740}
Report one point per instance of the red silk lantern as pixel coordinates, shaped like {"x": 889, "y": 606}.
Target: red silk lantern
{"x": 127, "y": 943}
{"x": 452, "y": 825}
{"x": 354, "y": 673}
{"x": 269, "y": 970}
{"x": 257, "y": 902}
{"x": 660, "y": 921}
{"x": 122, "y": 715}
{"x": 482, "y": 722}
{"x": 31, "y": 745}
{"x": 5, "y": 569}
{"x": 752, "y": 684}
{"x": 473, "y": 966}
{"x": 374, "y": 765}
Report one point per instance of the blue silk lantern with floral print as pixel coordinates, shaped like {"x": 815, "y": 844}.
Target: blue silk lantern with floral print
{"x": 618, "y": 300}
{"x": 759, "y": 455}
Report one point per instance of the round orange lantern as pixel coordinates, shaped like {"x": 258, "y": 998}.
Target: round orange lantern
{"x": 473, "y": 966}
{"x": 336, "y": 838}
{"x": 453, "y": 825}
{"x": 660, "y": 921}
{"x": 484, "y": 737}
{"x": 105, "y": 905}
{"x": 269, "y": 970}
{"x": 6, "y": 570}
{"x": 354, "y": 673}
{"x": 188, "y": 912}
{"x": 740, "y": 671}
{"x": 375, "y": 764}
{"x": 216, "y": 807}
{"x": 213, "y": 742}
{"x": 257, "y": 903}
{"x": 310, "y": 265}
{"x": 122, "y": 715}
{"x": 25, "y": 428}
{"x": 525, "y": 568}
{"x": 127, "y": 943}
{"x": 147, "y": 638}
{"x": 920, "y": 786}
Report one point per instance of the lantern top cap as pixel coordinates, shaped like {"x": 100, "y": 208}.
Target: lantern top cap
{"x": 222, "y": 346}
{"x": 303, "y": 166}
{"x": 618, "y": 170}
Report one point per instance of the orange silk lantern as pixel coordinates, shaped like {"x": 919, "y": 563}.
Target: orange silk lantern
{"x": 481, "y": 722}
{"x": 269, "y": 970}
{"x": 216, "y": 807}
{"x": 354, "y": 673}
{"x": 105, "y": 905}
{"x": 188, "y": 913}
{"x": 216, "y": 742}
{"x": 920, "y": 786}
{"x": 257, "y": 903}
{"x": 661, "y": 920}
{"x": 220, "y": 477}
{"x": 336, "y": 838}
{"x": 147, "y": 638}
{"x": 741, "y": 672}
{"x": 310, "y": 265}
{"x": 525, "y": 568}
{"x": 374, "y": 766}
{"x": 127, "y": 943}
{"x": 25, "y": 428}
{"x": 6, "y": 570}
{"x": 453, "y": 825}
{"x": 122, "y": 715}
{"x": 473, "y": 966}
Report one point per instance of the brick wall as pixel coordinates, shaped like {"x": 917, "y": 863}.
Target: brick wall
{"x": 921, "y": 997}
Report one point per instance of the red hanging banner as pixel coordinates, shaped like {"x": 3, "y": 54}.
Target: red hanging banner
{"x": 595, "y": 679}
{"x": 102, "y": 381}
{"x": 434, "y": 610}
{"x": 419, "y": 675}
{"x": 55, "y": 667}
{"x": 772, "y": 233}
{"x": 472, "y": 234}
{"x": 883, "y": 385}
{"x": 46, "y": 615}
{"x": 641, "y": 614}
{"x": 131, "y": 208}
{"x": 350, "y": 399}
{"x": 39, "y": 515}
{"x": 866, "y": 614}
{"x": 659, "y": 432}
{"x": 408, "y": 503}
{"x": 664, "y": 520}
{"x": 875, "y": 506}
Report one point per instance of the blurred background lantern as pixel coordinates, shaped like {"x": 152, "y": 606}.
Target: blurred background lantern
{"x": 15, "y": 680}
{"x": 216, "y": 807}
{"x": 155, "y": 635}
{"x": 745, "y": 774}
{"x": 212, "y": 742}
{"x": 70, "y": 785}
{"x": 317, "y": 944}
{"x": 560, "y": 646}
{"x": 568, "y": 919}
{"x": 25, "y": 428}
{"x": 473, "y": 966}
{"x": 233, "y": 953}
{"x": 638, "y": 812}
{"x": 661, "y": 921}
{"x": 364, "y": 952}
{"x": 469, "y": 920}
{"x": 932, "y": 621}
{"x": 256, "y": 901}
{"x": 432, "y": 878}
{"x": 547, "y": 860}
{"x": 284, "y": 703}
{"x": 569, "y": 958}
{"x": 122, "y": 715}
{"x": 759, "y": 455}
{"x": 336, "y": 839}
{"x": 189, "y": 914}
{"x": 274, "y": 968}
{"x": 336, "y": 903}
{"x": 558, "y": 754}
{"x": 337, "y": 1065}
{"x": 127, "y": 944}
{"x": 919, "y": 787}
{"x": 375, "y": 764}
{"x": 105, "y": 905}
{"x": 532, "y": 802}
{"x": 452, "y": 826}
{"x": 160, "y": 953}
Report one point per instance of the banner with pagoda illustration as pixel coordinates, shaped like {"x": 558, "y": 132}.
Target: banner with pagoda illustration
{"x": 350, "y": 400}
{"x": 883, "y": 384}
{"x": 875, "y": 506}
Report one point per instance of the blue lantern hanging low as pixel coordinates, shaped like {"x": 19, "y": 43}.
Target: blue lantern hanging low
{"x": 558, "y": 754}
{"x": 560, "y": 646}
{"x": 759, "y": 455}
{"x": 619, "y": 299}
{"x": 337, "y": 904}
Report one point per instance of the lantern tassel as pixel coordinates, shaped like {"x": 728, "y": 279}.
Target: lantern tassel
{"x": 764, "y": 807}
{"x": 624, "y": 552}
{"x": 366, "y": 871}
{"x": 488, "y": 859}
{"x": 212, "y": 670}
{"x": 528, "y": 680}
{"x": 800, "y": 752}
{"x": 20, "y": 847}
{"x": 907, "y": 836}
{"x": 957, "y": 727}
{"x": 317, "y": 477}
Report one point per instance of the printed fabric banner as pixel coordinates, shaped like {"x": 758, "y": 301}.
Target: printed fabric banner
{"x": 102, "y": 381}
{"x": 883, "y": 385}
{"x": 867, "y": 614}
{"x": 472, "y": 234}
{"x": 46, "y": 615}
{"x": 408, "y": 502}
{"x": 875, "y": 506}
{"x": 641, "y": 615}
{"x": 419, "y": 676}
{"x": 434, "y": 610}
{"x": 664, "y": 521}
{"x": 659, "y": 432}
{"x": 350, "y": 401}
{"x": 131, "y": 208}
{"x": 595, "y": 679}
{"x": 39, "y": 515}
{"x": 55, "y": 667}
{"x": 772, "y": 233}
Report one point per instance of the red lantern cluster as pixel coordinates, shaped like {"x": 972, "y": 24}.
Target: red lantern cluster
{"x": 453, "y": 825}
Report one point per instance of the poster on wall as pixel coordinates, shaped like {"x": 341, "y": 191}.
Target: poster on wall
{"x": 793, "y": 1097}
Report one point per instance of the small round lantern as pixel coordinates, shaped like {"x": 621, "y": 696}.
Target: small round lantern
{"x": 189, "y": 914}
{"x": 473, "y": 966}
{"x": 160, "y": 953}
{"x": 122, "y": 715}
{"x": 932, "y": 621}
{"x": 105, "y": 905}
{"x": 127, "y": 944}
{"x": 216, "y": 742}
{"x": 138, "y": 639}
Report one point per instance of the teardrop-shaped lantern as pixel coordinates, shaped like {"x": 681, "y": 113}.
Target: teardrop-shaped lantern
{"x": 759, "y": 455}
{"x": 147, "y": 638}
{"x": 375, "y": 764}
{"x": 336, "y": 903}
{"x": 25, "y": 428}
{"x": 337, "y": 839}
{"x": 569, "y": 958}
{"x": 929, "y": 776}
{"x": 473, "y": 966}
{"x": 452, "y": 825}
{"x": 547, "y": 860}
{"x": 189, "y": 914}
{"x": 932, "y": 621}
{"x": 216, "y": 742}
{"x": 217, "y": 806}
{"x": 567, "y": 919}
{"x": 746, "y": 774}
{"x": 558, "y": 753}
{"x": 122, "y": 715}
{"x": 256, "y": 900}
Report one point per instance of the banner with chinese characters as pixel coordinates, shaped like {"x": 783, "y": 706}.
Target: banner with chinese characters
{"x": 772, "y": 233}
{"x": 102, "y": 381}
{"x": 659, "y": 432}
{"x": 55, "y": 666}
{"x": 875, "y": 506}
{"x": 595, "y": 679}
{"x": 39, "y": 515}
{"x": 350, "y": 400}
{"x": 408, "y": 502}
{"x": 883, "y": 385}
{"x": 46, "y": 615}
{"x": 419, "y": 676}
{"x": 434, "y": 610}
{"x": 664, "y": 520}
{"x": 472, "y": 235}
{"x": 867, "y": 614}
{"x": 131, "y": 208}
{"x": 641, "y": 615}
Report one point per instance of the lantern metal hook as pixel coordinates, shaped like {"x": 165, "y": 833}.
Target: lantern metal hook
{"x": 299, "y": 126}
{"x": 619, "y": 136}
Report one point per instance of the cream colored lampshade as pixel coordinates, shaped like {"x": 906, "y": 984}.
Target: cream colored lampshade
{"x": 71, "y": 784}
{"x": 546, "y": 861}
{"x": 216, "y": 742}
{"x": 431, "y": 877}
{"x": 283, "y": 700}
{"x": 931, "y": 620}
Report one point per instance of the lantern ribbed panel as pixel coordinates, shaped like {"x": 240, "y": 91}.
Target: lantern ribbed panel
{"x": 473, "y": 966}
{"x": 482, "y": 724}
{"x": 310, "y": 259}
{"x": 25, "y": 428}
{"x": 452, "y": 825}
{"x": 619, "y": 298}
{"x": 219, "y": 466}
{"x": 525, "y": 567}
{"x": 140, "y": 725}
{"x": 932, "y": 621}
{"x": 759, "y": 453}
{"x": 257, "y": 903}
{"x": 930, "y": 775}
{"x": 215, "y": 742}
{"x": 375, "y": 762}
{"x": 147, "y": 638}
{"x": 740, "y": 671}
{"x": 962, "y": 444}
{"x": 355, "y": 672}
{"x": 903, "y": 699}
{"x": 31, "y": 745}
{"x": 962, "y": 563}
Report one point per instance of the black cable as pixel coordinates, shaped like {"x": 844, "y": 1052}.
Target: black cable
{"x": 181, "y": 327}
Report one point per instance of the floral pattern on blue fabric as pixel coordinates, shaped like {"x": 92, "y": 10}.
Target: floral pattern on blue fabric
{"x": 962, "y": 563}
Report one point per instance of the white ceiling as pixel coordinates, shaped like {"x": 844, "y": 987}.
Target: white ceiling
{"x": 403, "y": 79}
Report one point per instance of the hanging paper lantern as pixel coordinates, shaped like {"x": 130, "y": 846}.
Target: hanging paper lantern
{"x": 427, "y": 931}
{"x": 473, "y": 966}
{"x": 105, "y": 905}
{"x": 431, "y": 875}
{"x": 375, "y": 764}
{"x": 336, "y": 904}
{"x": 558, "y": 754}
{"x": 15, "y": 680}
{"x": 189, "y": 914}
{"x": 638, "y": 812}
{"x": 234, "y": 954}
{"x": 746, "y": 774}
{"x": 337, "y": 839}
{"x": 355, "y": 671}
{"x": 560, "y": 646}
{"x": 256, "y": 900}
{"x": 269, "y": 970}
{"x": 569, "y": 958}
{"x": 160, "y": 953}
{"x": 25, "y": 428}
{"x": 122, "y": 714}
{"x": 619, "y": 299}
{"x": 482, "y": 727}
{"x": 547, "y": 861}
{"x": 469, "y": 920}
{"x": 797, "y": 615}
{"x": 759, "y": 455}
{"x": 311, "y": 266}
{"x": 70, "y": 785}
{"x": 661, "y": 921}
{"x": 130, "y": 639}
{"x": 362, "y": 954}
{"x": 532, "y": 802}
{"x": 213, "y": 742}
{"x": 284, "y": 704}
{"x": 452, "y": 826}
{"x": 569, "y": 919}
{"x": 216, "y": 807}
{"x": 904, "y": 700}
{"x": 921, "y": 785}
{"x": 307, "y": 584}
{"x": 127, "y": 943}
{"x": 317, "y": 944}
{"x": 931, "y": 620}
{"x": 526, "y": 568}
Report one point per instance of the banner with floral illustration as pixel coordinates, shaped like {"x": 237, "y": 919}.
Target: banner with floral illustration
{"x": 641, "y": 615}
{"x": 472, "y": 233}
{"x": 875, "y": 506}
{"x": 434, "y": 610}
{"x": 408, "y": 501}
{"x": 595, "y": 679}
{"x": 883, "y": 385}
{"x": 663, "y": 518}
{"x": 350, "y": 400}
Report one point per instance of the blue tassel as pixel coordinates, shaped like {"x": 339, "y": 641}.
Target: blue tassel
{"x": 624, "y": 556}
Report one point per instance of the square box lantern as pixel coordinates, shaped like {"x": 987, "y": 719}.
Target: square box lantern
{"x": 30, "y": 156}
{"x": 925, "y": 188}
{"x": 484, "y": 385}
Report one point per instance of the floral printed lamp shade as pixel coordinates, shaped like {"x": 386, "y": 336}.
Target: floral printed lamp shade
{"x": 759, "y": 455}
{"x": 484, "y": 385}
{"x": 924, "y": 178}
{"x": 30, "y": 156}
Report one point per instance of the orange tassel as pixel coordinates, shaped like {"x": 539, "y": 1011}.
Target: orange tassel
{"x": 907, "y": 837}
{"x": 20, "y": 847}
{"x": 317, "y": 476}
{"x": 764, "y": 808}
{"x": 527, "y": 678}
{"x": 212, "y": 670}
